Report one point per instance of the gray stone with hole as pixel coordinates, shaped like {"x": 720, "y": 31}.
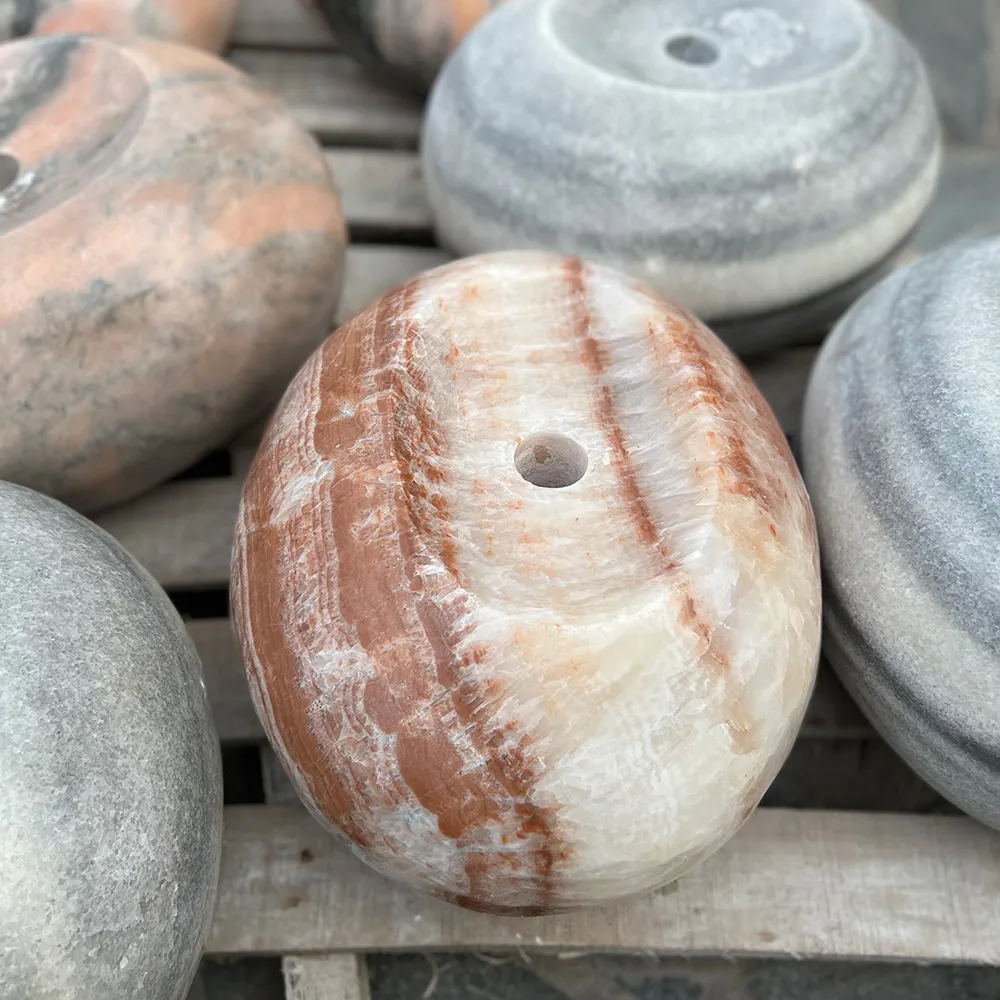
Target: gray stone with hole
{"x": 902, "y": 459}
{"x": 110, "y": 775}
{"x": 759, "y": 163}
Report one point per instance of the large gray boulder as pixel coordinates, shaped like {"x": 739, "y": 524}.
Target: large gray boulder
{"x": 901, "y": 445}
{"x": 110, "y": 775}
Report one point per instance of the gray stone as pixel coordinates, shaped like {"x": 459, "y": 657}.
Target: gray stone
{"x": 743, "y": 159}
{"x": 402, "y": 42}
{"x": 902, "y": 459}
{"x": 110, "y": 779}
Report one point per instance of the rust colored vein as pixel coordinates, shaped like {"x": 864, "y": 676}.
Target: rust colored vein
{"x": 429, "y": 689}
{"x": 593, "y": 354}
{"x": 723, "y": 387}
{"x": 594, "y": 357}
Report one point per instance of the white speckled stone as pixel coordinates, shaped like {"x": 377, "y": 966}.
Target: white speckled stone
{"x": 902, "y": 459}
{"x": 762, "y": 190}
{"x": 110, "y": 777}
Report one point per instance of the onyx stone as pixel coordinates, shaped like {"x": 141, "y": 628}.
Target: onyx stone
{"x": 402, "y": 42}
{"x": 902, "y": 460}
{"x": 110, "y": 775}
{"x": 174, "y": 248}
{"x": 759, "y": 164}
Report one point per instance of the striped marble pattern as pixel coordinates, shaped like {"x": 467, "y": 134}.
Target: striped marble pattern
{"x": 110, "y": 776}
{"x": 902, "y": 458}
{"x": 178, "y": 249}
{"x": 792, "y": 159}
{"x": 204, "y": 24}
{"x": 523, "y": 698}
{"x": 403, "y": 41}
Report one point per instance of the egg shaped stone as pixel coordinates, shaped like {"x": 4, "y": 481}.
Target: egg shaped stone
{"x": 203, "y": 24}
{"x": 757, "y": 163}
{"x": 110, "y": 776}
{"x": 175, "y": 250}
{"x": 902, "y": 458}
{"x": 403, "y": 43}
{"x": 527, "y": 587}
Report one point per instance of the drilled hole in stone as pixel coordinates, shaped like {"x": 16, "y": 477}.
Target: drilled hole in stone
{"x": 553, "y": 461}
{"x": 9, "y": 169}
{"x": 692, "y": 49}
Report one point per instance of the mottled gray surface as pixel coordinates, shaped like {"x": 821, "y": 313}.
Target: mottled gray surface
{"x": 794, "y": 162}
{"x": 110, "y": 779}
{"x": 902, "y": 458}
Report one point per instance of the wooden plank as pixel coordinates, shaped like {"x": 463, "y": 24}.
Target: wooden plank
{"x": 181, "y": 532}
{"x": 225, "y": 681}
{"x": 281, "y": 24}
{"x": 381, "y": 189}
{"x": 331, "y": 97}
{"x": 791, "y": 883}
{"x": 831, "y": 713}
{"x": 330, "y": 977}
{"x": 374, "y": 270}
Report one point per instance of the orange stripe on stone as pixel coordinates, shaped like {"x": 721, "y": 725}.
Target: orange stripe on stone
{"x": 374, "y": 413}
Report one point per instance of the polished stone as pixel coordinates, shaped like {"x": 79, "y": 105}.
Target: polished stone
{"x": 758, "y": 164}
{"x": 902, "y": 459}
{"x": 527, "y": 586}
{"x": 174, "y": 249}
{"x": 110, "y": 779}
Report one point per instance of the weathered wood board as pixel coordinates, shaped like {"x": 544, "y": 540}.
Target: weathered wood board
{"x": 792, "y": 883}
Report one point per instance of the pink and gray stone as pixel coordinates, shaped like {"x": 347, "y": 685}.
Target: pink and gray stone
{"x": 110, "y": 777}
{"x": 204, "y": 24}
{"x": 902, "y": 461}
{"x": 760, "y": 163}
{"x": 175, "y": 247}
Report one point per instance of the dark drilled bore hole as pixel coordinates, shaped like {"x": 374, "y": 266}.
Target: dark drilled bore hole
{"x": 692, "y": 49}
{"x": 550, "y": 460}
{"x": 9, "y": 169}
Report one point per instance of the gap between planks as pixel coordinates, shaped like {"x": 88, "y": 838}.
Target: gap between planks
{"x": 790, "y": 884}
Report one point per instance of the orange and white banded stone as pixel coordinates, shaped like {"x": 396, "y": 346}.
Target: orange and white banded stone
{"x": 527, "y": 586}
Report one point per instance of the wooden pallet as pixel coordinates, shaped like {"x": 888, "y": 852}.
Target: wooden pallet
{"x": 793, "y": 882}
